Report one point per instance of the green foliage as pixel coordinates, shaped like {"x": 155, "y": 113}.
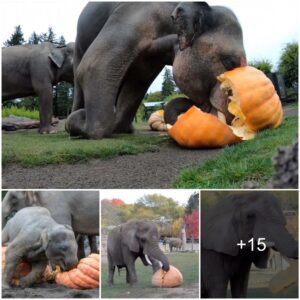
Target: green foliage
{"x": 154, "y": 97}
{"x": 264, "y": 65}
{"x": 16, "y": 38}
{"x": 30, "y": 149}
{"x": 193, "y": 203}
{"x": 168, "y": 85}
{"x": 63, "y": 99}
{"x": 247, "y": 161}
{"x": 288, "y": 63}
{"x": 20, "y": 112}
{"x": 34, "y": 39}
{"x": 49, "y": 36}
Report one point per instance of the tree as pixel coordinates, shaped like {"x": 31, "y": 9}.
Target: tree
{"x": 264, "y": 65}
{"x": 62, "y": 41}
{"x": 191, "y": 222}
{"x": 168, "y": 85}
{"x": 16, "y": 38}
{"x": 49, "y": 36}
{"x": 288, "y": 64}
{"x": 193, "y": 203}
{"x": 62, "y": 99}
{"x": 34, "y": 39}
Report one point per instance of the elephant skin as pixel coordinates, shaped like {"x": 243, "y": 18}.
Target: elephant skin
{"x": 121, "y": 47}
{"x": 79, "y": 209}
{"x": 33, "y": 235}
{"x": 33, "y": 70}
{"x": 234, "y": 218}
{"x": 127, "y": 242}
{"x": 175, "y": 243}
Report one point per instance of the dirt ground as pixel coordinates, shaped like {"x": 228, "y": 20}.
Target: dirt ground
{"x": 147, "y": 170}
{"x": 48, "y": 290}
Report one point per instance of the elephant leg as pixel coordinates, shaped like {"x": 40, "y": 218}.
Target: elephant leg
{"x": 45, "y": 94}
{"x": 239, "y": 282}
{"x": 111, "y": 271}
{"x": 35, "y": 275}
{"x": 130, "y": 267}
{"x": 93, "y": 243}
{"x": 127, "y": 276}
{"x": 100, "y": 74}
{"x": 80, "y": 241}
{"x": 134, "y": 87}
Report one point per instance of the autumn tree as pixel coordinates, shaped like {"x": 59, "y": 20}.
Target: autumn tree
{"x": 191, "y": 222}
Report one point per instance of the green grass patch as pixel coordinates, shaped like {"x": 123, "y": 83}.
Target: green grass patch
{"x": 187, "y": 263}
{"x": 20, "y": 112}
{"x": 247, "y": 161}
{"x": 30, "y": 149}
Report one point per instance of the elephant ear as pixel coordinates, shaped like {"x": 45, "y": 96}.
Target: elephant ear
{"x": 190, "y": 20}
{"x": 57, "y": 56}
{"x": 129, "y": 238}
{"x": 219, "y": 228}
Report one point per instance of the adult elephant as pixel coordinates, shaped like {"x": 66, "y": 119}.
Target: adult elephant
{"x": 237, "y": 218}
{"x": 79, "y": 209}
{"x": 121, "y": 47}
{"x": 175, "y": 243}
{"x": 127, "y": 242}
{"x": 33, "y": 70}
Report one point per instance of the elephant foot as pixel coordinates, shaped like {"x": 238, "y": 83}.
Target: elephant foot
{"x": 77, "y": 126}
{"x": 47, "y": 130}
{"x": 124, "y": 128}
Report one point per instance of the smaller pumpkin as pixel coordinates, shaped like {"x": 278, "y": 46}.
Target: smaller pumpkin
{"x": 170, "y": 279}
{"x": 156, "y": 121}
{"x": 84, "y": 276}
{"x": 197, "y": 129}
{"x": 252, "y": 100}
{"x": 23, "y": 268}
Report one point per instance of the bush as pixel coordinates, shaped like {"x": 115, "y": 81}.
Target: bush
{"x": 288, "y": 64}
{"x": 264, "y": 65}
{"x": 20, "y": 112}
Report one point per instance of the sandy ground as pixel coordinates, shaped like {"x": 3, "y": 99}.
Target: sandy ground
{"x": 48, "y": 290}
{"x": 147, "y": 170}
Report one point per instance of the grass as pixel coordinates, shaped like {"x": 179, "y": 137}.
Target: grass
{"x": 30, "y": 149}
{"x": 187, "y": 263}
{"x": 247, "y": 161}
{"x": 20, "y": 112}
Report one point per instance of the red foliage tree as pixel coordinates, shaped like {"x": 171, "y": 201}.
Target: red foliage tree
{"x": 191, "y": 222}
{"x": 117, "y": 202}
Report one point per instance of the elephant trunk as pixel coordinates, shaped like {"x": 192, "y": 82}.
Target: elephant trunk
{"x": 154, "y": 252}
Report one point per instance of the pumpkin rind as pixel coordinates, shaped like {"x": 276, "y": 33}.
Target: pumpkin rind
{"x": 197, "y": 129}
{"x": 170, "y": 279}
{"x": 84, "y": 276}
{"x": 254, "y": 99}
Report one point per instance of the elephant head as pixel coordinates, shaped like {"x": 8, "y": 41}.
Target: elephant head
{"x": 142, "y": 237}
{"x": 62, "y": 58}
{"x": 60, "y": 247}
{"x": 16, "y": 200}
{"x": 210, "y": 42}
{"x": 245, "y": 216}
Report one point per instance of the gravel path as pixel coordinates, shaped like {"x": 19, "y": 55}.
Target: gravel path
{"x": 148, "y": 170}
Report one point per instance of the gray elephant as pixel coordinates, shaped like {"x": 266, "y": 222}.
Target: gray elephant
{"x": 131, "y": 240}
{"x": 79, "y": 209}
{"x": 32, "y": 70}
{"x": 33, "y": 235}
{"x": 237, "y": 218}
{"x": 175, "y": 243}
{"x": 119, "y": 54}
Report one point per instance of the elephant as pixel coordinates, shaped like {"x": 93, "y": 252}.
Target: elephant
{"x": 32, "y": 70}
{"x": 79, "y": 209}
{"x": 234, "y": 219}
{"x": 127, "y": 242}
{"x": 121, "y": 47}
{"x": 175, "y": 243}
{"x": 34, "y": 236}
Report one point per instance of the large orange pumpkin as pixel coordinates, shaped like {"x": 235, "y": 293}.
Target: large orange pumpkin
{"x": 84, "y": 276}
{"x": 170, "y": 279}
{"x": 22, "y": 269}
{"x": 197, "y": 129}
{"x": 252, "y": 100}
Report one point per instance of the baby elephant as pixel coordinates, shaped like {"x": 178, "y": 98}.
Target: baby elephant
{"x": 34, "y": 236}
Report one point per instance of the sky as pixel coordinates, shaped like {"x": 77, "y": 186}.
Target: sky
{"x": 130, "y": 196}
{"x": 267, "y": 25}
